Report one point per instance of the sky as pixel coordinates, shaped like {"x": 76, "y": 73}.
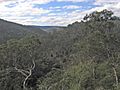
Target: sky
{"x": 53, "y": 12}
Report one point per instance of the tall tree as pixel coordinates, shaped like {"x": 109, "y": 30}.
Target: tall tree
{"x": 99, "y": 16}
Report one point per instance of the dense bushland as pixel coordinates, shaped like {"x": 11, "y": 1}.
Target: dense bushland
{"x": 83, "y": 56}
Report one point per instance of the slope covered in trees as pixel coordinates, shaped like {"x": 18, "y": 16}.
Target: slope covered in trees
{"x": 83, "y": 56}
{"x": 9, "y": 30}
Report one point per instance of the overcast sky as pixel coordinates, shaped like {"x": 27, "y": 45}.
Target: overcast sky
{"x": 52, "y": 12}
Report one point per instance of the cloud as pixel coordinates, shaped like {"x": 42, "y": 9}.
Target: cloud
{"x": 113, "y": 5}
{"x": 71, "y": 7}
{"x": 104, "y": 2}
{"x": 34, "y": 1}
{"x": 71, "y": 0}
{"x": 6, "y": 0}
{"x": 24, "y": 12}
{"x": 21, "y": 12}
{"x": 41, "y": 1}
{"x": 21, "y": 9}
{"x": 65, "y": 7}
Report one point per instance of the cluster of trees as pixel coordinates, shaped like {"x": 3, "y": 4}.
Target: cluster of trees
{"x": 101, "y": 16}
{"x": 83, "y": 56}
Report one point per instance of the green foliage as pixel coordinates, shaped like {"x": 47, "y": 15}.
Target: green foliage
{"x": 99, "y": 16}
{"x": 83, "y": 56}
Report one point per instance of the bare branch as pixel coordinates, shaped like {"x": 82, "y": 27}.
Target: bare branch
{"x": 33, "y": 67}
{"x": 116, "y": 77}
{"x": 25, "y": 71}
{"x": 19, "y": 70}
{"x": 24, "y": 83}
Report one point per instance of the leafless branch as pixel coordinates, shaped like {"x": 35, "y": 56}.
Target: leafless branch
{"x": 20, "y": 70}
{"x": 26, "y": 73}
{"x": 116, "y": 77}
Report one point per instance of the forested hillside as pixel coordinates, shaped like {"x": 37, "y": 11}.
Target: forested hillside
{"x": 83, "y": 56}
{"x": 9, "y": 30}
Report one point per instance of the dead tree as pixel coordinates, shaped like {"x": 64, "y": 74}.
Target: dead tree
{"x": 26, "y": 73}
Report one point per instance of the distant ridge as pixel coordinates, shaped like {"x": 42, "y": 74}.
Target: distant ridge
{"x": 48, "y": 28}
{"x": 11, "y": 30}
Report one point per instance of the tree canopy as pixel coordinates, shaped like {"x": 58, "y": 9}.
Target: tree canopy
{"x": 82, "y": 56}
{"x": 99, "y": 16}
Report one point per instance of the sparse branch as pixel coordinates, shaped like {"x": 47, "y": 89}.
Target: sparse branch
{"x": 26, "y": 73}
{"x": 116, "y": 77}
{"x": 33, "y": 67}
{"x": 20, "y": 70}
{"x": 24, "y": 83}
{"x": 30, "y": 73}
